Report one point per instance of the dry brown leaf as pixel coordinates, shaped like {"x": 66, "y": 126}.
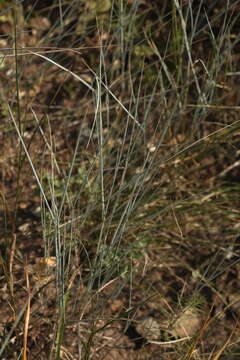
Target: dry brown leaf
{"x": 149, "y": 328}
{"x": 186, "y": 324}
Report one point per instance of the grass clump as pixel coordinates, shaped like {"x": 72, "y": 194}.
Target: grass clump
{"x": 120, "y": 179}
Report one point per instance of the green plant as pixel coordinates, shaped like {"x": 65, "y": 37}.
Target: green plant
{"x": 121, "y": 116}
